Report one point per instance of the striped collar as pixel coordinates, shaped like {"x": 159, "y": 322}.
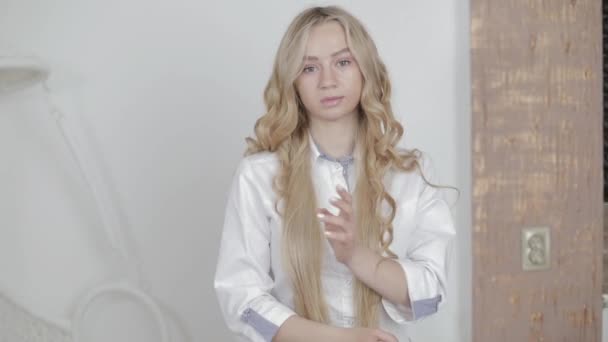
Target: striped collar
{"x": 316, "y": 153}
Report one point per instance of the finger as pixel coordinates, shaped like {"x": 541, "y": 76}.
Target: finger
{"x": 322, "y": 213}
{"x": 335, "y": 235}
{"x": 333, "y": 228}
{"x": 344, "y": 194}
{"x": 345, "y": 207}
{"x": 385, "y": 336}
{"x": 331, "y": 219}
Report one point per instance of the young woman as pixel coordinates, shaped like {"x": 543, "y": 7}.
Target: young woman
{"x": 331, "y": 232}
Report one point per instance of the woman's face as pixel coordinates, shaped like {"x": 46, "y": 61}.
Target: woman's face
{"x": 330, "y": 82}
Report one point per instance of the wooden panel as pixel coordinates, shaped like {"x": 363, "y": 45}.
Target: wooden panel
{"x": 605, "y": 254}
{"x": 537, "y": 161}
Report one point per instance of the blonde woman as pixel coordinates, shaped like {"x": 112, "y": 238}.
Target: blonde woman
{"x": 331, "y": 232}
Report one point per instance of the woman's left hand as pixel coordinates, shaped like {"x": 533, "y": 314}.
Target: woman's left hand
{"x": 341, "y": 229}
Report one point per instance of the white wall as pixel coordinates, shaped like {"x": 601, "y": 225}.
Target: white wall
{"x": 168, "y": 91}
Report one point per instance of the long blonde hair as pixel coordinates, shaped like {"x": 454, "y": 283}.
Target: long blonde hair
{"x": 283, "y": 129}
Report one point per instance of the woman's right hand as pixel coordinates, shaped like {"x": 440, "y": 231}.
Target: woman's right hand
{"x": 368, "y": 335}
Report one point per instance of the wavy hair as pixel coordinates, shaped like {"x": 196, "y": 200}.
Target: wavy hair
{"x": 283, "y": 130}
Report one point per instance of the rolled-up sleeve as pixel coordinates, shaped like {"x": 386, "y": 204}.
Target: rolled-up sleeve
{"x": 428, "y": 252}
{"x": 242, "y": 278}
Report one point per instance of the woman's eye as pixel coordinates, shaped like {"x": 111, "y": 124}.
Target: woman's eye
{"x": 344, "y": 62}
{"x": 308, "y": 69}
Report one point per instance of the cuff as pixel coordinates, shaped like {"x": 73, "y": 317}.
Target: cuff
{"x": 423, "y": 291}
{"x": 267, "y": 323}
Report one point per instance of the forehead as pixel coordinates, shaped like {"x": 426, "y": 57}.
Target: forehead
{"x": 325, "y": 39}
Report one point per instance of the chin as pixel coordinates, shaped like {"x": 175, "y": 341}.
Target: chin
{"x": 331, "y": 115}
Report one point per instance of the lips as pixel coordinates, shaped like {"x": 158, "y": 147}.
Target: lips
{"x": 325, "y": 99}
{"x": 331, "y": 100}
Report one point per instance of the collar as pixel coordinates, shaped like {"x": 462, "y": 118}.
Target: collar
{"x": 316, "y": 153}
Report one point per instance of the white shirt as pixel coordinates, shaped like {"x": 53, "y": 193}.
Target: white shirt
{"x": 254, "y": 293}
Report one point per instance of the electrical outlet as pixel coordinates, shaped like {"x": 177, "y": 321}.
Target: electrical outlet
{"x": 536, "y": 248}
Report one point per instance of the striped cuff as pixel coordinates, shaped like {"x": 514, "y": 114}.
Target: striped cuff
{"x": 425, "y": 307}
{"x": 420, "y": 309}
{"x": 264, "y": 327}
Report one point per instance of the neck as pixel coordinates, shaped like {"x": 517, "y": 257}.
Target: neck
{"x": 335, "y": 138}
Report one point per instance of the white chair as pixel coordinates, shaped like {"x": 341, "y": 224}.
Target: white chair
{"x": 101, "y": 306}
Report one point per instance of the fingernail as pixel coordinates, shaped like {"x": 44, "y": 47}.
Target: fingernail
{"x": 320, "y": 215}
{"x": 341, "y": 188}
{"x": 327, "y": 233}
{"x": 333, "y": 199}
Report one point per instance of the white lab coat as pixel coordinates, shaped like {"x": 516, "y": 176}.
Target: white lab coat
{"x": 254, "y": 292}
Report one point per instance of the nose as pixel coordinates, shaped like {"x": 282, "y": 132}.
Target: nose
{"x": 328, "y": 78}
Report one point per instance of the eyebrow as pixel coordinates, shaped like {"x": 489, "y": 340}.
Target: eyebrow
{"x": 332, "y": 55}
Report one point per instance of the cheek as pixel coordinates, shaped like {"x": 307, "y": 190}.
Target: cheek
{"x": 306, "y": 89}
{"x": 352, "y": 77}
{"x": 355, "y": 84}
